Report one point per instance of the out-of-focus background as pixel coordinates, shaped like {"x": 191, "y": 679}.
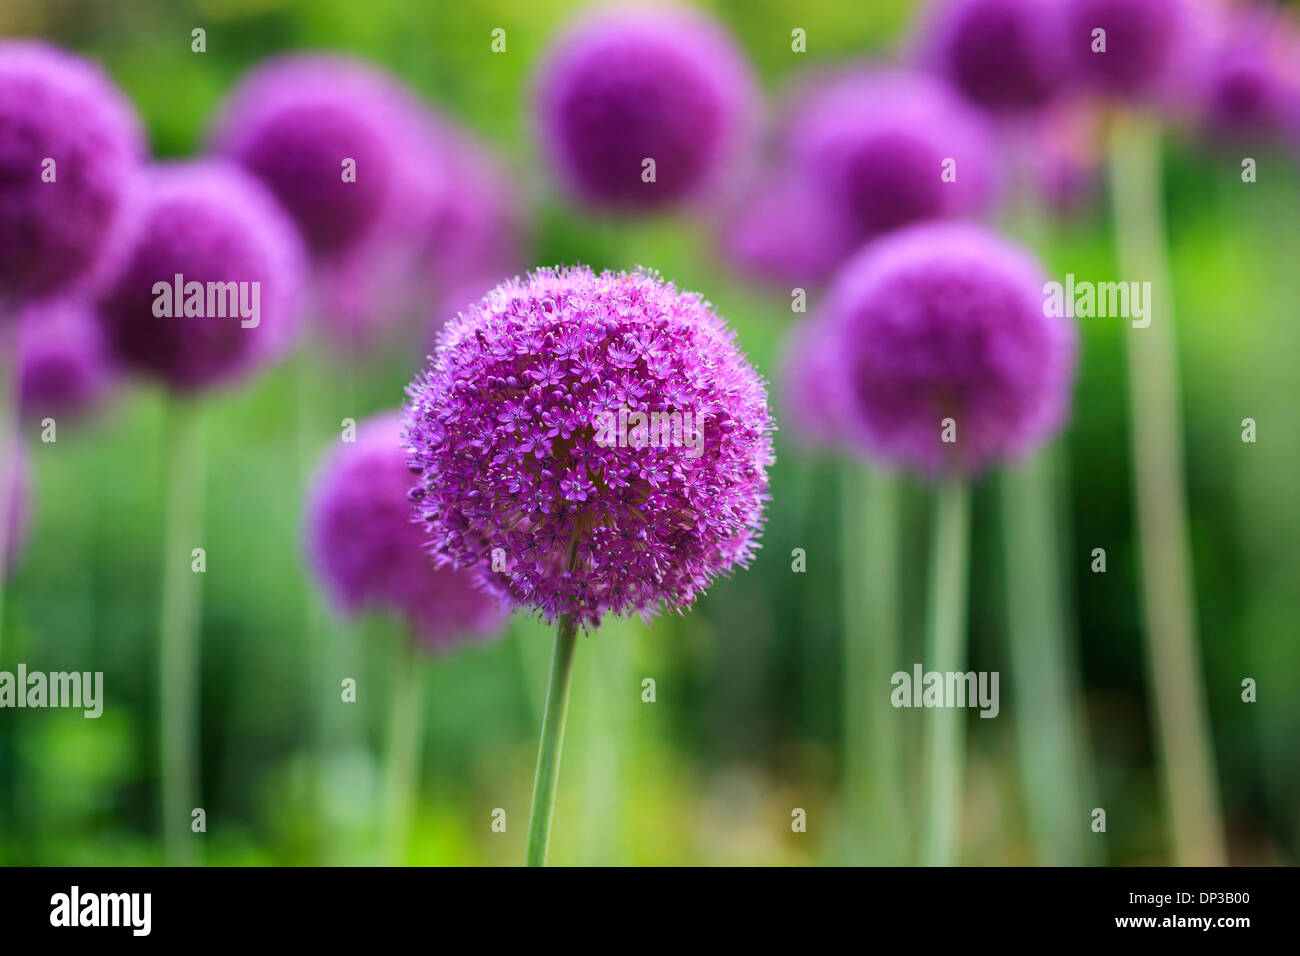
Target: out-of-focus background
{"x": 747, "y": 721}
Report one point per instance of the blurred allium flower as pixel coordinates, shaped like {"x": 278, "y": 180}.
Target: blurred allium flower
{"x": 64, "y": 365}
{"x": 1251, "y": 82}
{"x": 14, "y": 495}
{"x": 370, "y": 555}
{"x": 947, "y": 321}
{"x": 480, "y": 229}
{"x": 1144, "y": 40}
{"x": 479, "y": 226}
{"x": 296, "y": 121}
{"x": 877, "y": 143}
{"x": 813, "y": 398}
{"x": 1003, "y": 55}
{"x": 507, "y": 430}
{"x": 355, "y": 158}
{"x": 210, "y": 223}
{"x": 61, "y": 224}
{"x": 786, "y": 230}
{"x": 625, "y": 85}
{"x": 1066, "y": 159}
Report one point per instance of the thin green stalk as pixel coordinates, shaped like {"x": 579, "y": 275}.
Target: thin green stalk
{"x": 945, "y": 652}
{"x": 1046, "y": 728}
{"x": 552, "y": 741}
{"x": 178, "y": 668}
{"x": 1174, "y": 659}
{"x": 402, "y": 760}
{"x": 873, "y": 757}
{"x": 8, "y": 436}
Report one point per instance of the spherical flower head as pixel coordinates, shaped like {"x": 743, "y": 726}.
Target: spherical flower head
{"x": 70, "y": 148}
{"x": 1006, "y": 56}
{"x": 626, "y": 85}
{"x": 344, "y": 147}
{"x": 1143, "y": 40}
{"x": 590, "y": 444}
{"x": 813, "y": 392}
{"x": 947, "y": 321}
{"x": 14, "y": 493}
{"x": 368, "y": 553}
{"x": 1251, "y": 79}
{"x": 785, "y": 230}
{"x": 65, "y": 368}
{"x": 211, "y": 289}
{"x": 892, "y": 148}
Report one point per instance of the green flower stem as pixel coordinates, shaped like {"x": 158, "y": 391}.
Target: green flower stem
{"x": 945, "y": 651}
{"x": 873, "y": 756}
{"x": 402, "y": 760}
{"x": 548, "y": 751}
{"x": 178, "y": 669}
{"x": 1160, "y": 498}
{"x": 1047, "y": 730}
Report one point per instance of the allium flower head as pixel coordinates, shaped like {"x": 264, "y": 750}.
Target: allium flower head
{"x": 368, "y": 553}
{"x": 879, "y": 143}
{"x": 629, "y": 84}
{"x": 813, "y": 397}
{"x": 1143, "y": 40}
{"x": 535, "y": 471}
{"x": 1251, "y": 83}
{"x": 1006, "y": 56}
{"x": 787, "y": 230}
{"x": 295, "y": 121}
{"x": 214, "y": 225}
{"x": 947, "y": 321}
{"x": 70, "y": 147}
{"x": 64, "y": 364}
{"x": 13, "y": 495}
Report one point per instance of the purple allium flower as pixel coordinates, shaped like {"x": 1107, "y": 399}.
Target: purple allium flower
{"x": 1143, "y": 43}
{"x": 1007, "y": 56}
{"x": 295, "y": 121}
{"x": 481, "y": 227}
{"x": 1066, "y": 156}
{"x": 65, "y": 367}
{"x": 1251, "y": 77}
{"x": 948, "y": 321}
{"x": 813, "y": 398}
{"x": 879, "y": 143}
{"x": 536, "y": 472}
{"x": 786, "y": 230}
{"x": 630, "y": 84}
{"x": 61, "y": 223}
{"x": 13, "y": 495}
{"x": 368, "y": 553}
{"x": 212, "y": 224}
